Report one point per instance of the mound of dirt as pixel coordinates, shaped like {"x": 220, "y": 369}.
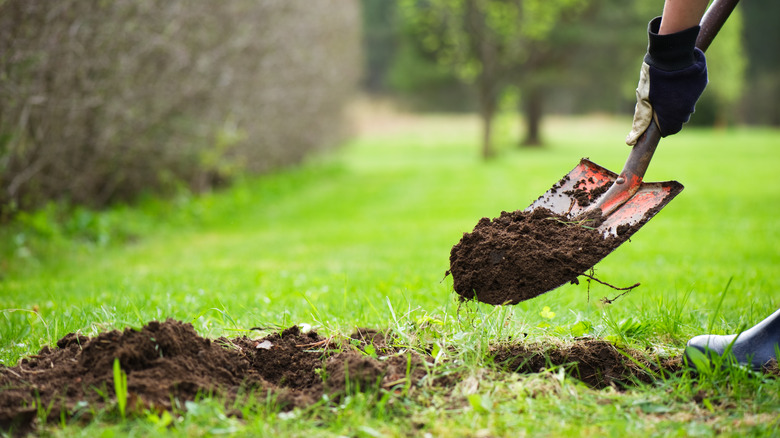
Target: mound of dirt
{"x": 161, "y": 360}
{"x": 287, "y": 359}
{"x": 597, "y": 363}
{"x": 168, "y": 363}
{"x": 520, "y": 255}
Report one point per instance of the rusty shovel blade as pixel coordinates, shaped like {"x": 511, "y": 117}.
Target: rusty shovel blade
{"x": 581, "y": 190}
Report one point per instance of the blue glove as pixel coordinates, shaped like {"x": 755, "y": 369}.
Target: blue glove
{"x": 673, "y": 76}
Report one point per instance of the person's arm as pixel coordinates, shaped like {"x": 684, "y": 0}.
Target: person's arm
{"x": 681, "y": 14}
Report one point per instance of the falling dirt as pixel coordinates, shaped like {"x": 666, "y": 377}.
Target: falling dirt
{"x": 520, "y": 255}
{"x": 168, "y": 363}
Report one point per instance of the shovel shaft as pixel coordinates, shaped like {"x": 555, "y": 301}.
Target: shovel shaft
{"x": 630, "y": 179}
{"x": 713, "y": 20}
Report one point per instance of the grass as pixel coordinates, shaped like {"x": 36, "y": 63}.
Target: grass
{"x": 361, "y": 237}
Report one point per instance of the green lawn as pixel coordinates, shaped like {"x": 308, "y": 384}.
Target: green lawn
{"x": 361, "y": 237}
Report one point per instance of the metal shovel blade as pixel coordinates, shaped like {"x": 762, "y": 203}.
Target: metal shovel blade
{"x": 581, "y": 189}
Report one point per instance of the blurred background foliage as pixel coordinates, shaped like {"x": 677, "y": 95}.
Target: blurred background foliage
{"x": 573, "y": 57}
{"x": 102, "y": 101}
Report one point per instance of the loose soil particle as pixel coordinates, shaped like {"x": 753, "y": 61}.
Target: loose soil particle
{"x": 168, "y": 363}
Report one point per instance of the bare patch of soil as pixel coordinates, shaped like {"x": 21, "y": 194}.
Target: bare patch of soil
{"x": 168, "y": 363}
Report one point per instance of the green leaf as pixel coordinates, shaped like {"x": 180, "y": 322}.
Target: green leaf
{"x": 581, "y": 328}
{"x": 120, "y": 388}
{"x": 435, "y": 351}
{"x": 480, "y": 403}
{"x": 701, "y": 362}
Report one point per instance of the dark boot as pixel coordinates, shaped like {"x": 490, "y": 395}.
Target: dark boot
{"x": 755, "y": 347}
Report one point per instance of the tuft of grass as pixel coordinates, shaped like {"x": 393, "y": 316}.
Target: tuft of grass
{"x": 120, "y": 389}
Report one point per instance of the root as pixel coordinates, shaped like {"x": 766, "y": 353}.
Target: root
{"x": 325, "y": 342}
{"x": 575, "y": 222}
{"x": 606, "y": 300}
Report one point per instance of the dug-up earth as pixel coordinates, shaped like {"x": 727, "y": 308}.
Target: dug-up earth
{"x": 168, "y": 363}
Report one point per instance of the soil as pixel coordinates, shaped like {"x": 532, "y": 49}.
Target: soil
{"x": 521, "y": 255}
{"x": 597, "y": 363}
{"x": 168, "y": 363}
{"x": 581, "y": 194}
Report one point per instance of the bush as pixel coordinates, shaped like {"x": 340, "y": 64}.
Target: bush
{"x": 103, "y": 100}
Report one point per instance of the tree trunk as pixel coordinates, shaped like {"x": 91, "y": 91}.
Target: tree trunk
{"x": 485, "y": 48}
{"x": 533, "y": 103}
{"x": 486, "y": 113}
{"x": 488, "y": 102}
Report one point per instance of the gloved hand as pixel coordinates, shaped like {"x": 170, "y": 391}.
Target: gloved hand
{"x": 673, "y": 76}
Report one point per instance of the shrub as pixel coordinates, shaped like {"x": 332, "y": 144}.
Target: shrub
{"x": 102, "y": 100}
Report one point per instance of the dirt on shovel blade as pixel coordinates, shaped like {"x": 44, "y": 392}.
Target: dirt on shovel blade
{"x": 520, "y": 255}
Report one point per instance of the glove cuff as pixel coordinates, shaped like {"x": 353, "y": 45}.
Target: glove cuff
{"x": 672, "y": 51}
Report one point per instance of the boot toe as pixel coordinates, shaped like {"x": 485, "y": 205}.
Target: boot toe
{"x": 707, "y": 344}
{"x": 711, "y": 343}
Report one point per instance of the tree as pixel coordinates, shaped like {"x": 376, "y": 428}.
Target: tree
{"x": 487, "y": 42}
{"x": 380, "y": 40}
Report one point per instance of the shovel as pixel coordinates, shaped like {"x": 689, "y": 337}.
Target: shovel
{"x": 521, "y": 255}
{"x": 629, "y": 202}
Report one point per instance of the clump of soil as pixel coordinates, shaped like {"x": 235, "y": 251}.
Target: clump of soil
{"x": 582, "y": 195}
{"x": 287, "y": 359}
{"x": 522, "y": 254}
{"x": 347, "y": 371}
{"x": 597, "y": 363}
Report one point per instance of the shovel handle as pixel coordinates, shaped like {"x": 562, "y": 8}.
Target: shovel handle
{"x": 713, "y": 20}
{"x": 630, "y": 178}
